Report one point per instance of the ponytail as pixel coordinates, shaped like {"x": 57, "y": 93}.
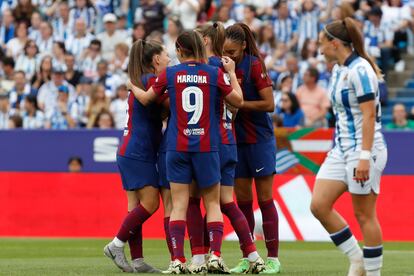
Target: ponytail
{"x": 140, "y": 60}
{"x": 240, "y": 33}
{"x": 217, "y": 34}
{"x": 191, "y": 45}
{"x": 350, "y": 35}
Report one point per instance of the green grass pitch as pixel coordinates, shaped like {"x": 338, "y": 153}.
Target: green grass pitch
{"x": 85, "y": 257}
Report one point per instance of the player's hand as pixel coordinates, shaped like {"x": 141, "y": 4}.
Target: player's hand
{"x": 362, "y": 171}
{"x": 129, "y": 84}
{"x": 228, "y": 64}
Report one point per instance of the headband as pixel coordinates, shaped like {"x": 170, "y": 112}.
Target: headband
{"x": 335, "y": 37}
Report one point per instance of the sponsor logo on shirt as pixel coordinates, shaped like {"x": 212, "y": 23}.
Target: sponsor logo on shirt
{"x": 193, "y": 131}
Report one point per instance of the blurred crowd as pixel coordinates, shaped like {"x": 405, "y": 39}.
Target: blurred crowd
{"x": 63, "y": 64}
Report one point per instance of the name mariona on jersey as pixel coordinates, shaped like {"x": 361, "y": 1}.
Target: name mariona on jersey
{"x": 191, "y": 79}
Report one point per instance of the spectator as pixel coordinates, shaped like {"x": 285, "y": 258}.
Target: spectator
{"x": 33, "y": 118}
{"x": 79, "y": 105}
{"x": 71, "y": 75}
{"x": 186, "y": 10}
{"x": 308, "y": 24}
{"x": 27, "y": 62}
{"x": 15, "y": 121}
{"x": 23, "y": 10}
{"x": 110, "y": 37}
{"x": 174, "y": 28}
{"x": 292, "y": 65}
{"x": 108, "y": 80}
{"x": 399, "y": 119}
{"x": 58, "y": 53}
{"x": 119, "y": 107}
{"x": 223, "y": 15}
{"x": 138, "y": 32}
{"x": 49, "y": 92}
{"x": 290, "y": 112}
{"x": 7, "y": 78}
{"x": 91, "y": 57}
{"x": 104, "y": 120}
{"x": 98, "y": 102}
{"x": 285, "y": 25}
{"x": 313, "y": 100}
{"x": 266, "y": 40}
{"x": 61, "y": 22}
{"x": 5, "y": 111}
{"x": 44, "y": 74}
{"x": 80, "y": 40}
{"x": 119, "y": 63}
{"x": 20, "y": 90}
{"x": 250, "y": 18}
{"x": 152, "y": 13}
{"x": 45, "y": 41}
{"x": 15, "y": 45}
{"x": 6, "y": 28}
{"x": 75, "y": 164}
{"x": 58, "y": 116}
{"x": 283, "y": 86}
{"x": 83, "y": 9}
{"x": 34, "y": 29}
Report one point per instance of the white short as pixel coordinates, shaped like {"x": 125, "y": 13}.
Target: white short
{"x": 341, "y": 165}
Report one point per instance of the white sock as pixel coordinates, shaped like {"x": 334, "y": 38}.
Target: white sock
{"x": 349, "y": 246}
{"x": 198, "y": 259}
{"x": 253, "y": 256}
{"x": 118, "y": 242}
{"x": 373, "y": 260}
{"x": 273, "y": 258}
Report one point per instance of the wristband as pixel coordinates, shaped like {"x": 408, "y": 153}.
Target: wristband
{"x": 365, "y": 155}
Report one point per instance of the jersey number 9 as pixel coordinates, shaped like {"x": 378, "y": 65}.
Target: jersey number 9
{"x": 196, "y": 107}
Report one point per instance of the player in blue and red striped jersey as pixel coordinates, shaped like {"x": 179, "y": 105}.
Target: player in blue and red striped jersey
{"x": 137, "y": 155}
{"x": 194, "y": 89}
{"x": 256, "y": 148}
{"x": 214, "y": 36}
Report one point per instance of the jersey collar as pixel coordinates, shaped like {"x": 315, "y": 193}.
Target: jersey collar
{"x": 351, "y": 58}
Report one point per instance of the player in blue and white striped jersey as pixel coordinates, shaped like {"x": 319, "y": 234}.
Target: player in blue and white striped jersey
{"x": 356, "y": 162}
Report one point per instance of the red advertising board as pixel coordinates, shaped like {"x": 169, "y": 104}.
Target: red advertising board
{"x": 93, "y": 205}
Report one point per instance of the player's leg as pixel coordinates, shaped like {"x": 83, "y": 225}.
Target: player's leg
{"x": 135, "y": 241}
{"x": 329, "y": 186}
{"x": 228, "y": 162}
{"x": 195, "y": 226}
{"x": 167, "y": 203}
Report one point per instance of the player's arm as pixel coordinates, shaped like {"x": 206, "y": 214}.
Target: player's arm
{"x": 264, "y": 86}
{"x": 226, "y": 86}
{"x": 146, "y": 97}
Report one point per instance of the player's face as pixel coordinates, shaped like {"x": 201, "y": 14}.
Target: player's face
{"x": 233, "y": 50}
{"x": 327, "y": 48}
{"x": 163, "y": 60}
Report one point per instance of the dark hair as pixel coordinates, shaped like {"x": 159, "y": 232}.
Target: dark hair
{"x": 96, "y": 42}
{"x": 216, "y": 33}
{"x": 191, "y": 44}
{"x": 251, "y": 8}
{"x": 98, "y": 117}
{"x": 295, "y": 103}
{"x": 280, "y": 3}
{"x": 27, "y": 44}
{"x": 261, "y": 40}
{"x": 140, "y": 60}
{"x": 348, "y": 33}
{"x": 136, "y": 25}
{"x": 32, "y": 99}
{"x": 304, "y": 53}
{"x": 17, "y": 120}
{"x": 20, "y": 22}
{"x": 8, "y": 61}
{"x": 314, "y": 73}
{"x": 61, "y": 46}
{"x": 77, "y": 159}
{"x": 240, "y": 33}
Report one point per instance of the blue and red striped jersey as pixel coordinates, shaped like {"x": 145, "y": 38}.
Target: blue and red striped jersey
{"x": 252, "y": 126}
{"x": 142, "y": 133}
{"x": 227, "y": 129}
{"x": 194, "y": 90}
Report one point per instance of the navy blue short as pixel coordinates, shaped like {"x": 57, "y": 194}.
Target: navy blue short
{"x": 162, "y": 170}
{"x": 203, "y": 167}
{"x": 228, "y": 162}
{"x": 256, "y": 160}
{"x": 136, "y": 174}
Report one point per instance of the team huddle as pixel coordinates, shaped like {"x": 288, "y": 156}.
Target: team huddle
{"x": 219, "y": 138}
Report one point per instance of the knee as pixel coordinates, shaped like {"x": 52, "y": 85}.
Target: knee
{"x": 151, "y": 205}
{"x": 363, "y": 217}
{"x": 319, "y": 209}
{"x": 264, "y": 193}
{"x": 243, "y": 194}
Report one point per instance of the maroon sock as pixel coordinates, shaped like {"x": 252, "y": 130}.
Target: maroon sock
{"x": 135, "y": 244}
{"x": 240, "y": 225}
{"x": 206, "y": 238}
{"x": 215, "y": 232}
{"x": 195, "y": 226}
{"x": 133, "y": 222}
{"x": 168, "y": 236}
{"x": 270, "y": 227}
{"x": 177, "y": 232}
{"x": 247, "y": 208}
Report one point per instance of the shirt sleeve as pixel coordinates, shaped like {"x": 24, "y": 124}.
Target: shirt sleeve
{"x": 365, "y": 82}
{"x": 259, "y": 78}
{"x": 160, "y": 84}
{"x": 223, "y": 83}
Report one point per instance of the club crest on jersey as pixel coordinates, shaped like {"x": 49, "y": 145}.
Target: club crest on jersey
{"x": 191, "y": 79}
{"x": 227, "y": 79}
{"x": 194, "y": 131}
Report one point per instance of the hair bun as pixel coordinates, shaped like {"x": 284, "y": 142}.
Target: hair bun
{"x": 215, "y": 24}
